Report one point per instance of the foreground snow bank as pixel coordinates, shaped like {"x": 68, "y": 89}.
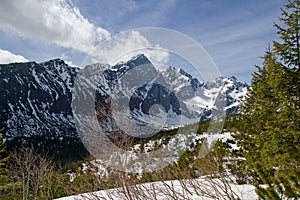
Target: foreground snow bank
{"x": 201, "y": 188}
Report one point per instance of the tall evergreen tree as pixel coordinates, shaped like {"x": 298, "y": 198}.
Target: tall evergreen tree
{"x": 270, "y": 133}
{"x": 4, "y": 178}
{"x": 289, "y": 47}
{"x": 7, "y": 187}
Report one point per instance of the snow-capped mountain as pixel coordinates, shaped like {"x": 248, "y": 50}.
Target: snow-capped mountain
{"x": 36, "y": 98}
{"x": 199, "y": 96}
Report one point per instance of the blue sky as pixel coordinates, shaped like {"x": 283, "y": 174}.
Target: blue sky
{"x": 235, "y": 33}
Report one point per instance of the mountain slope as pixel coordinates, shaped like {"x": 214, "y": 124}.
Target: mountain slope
{"x": 36, "y": 97}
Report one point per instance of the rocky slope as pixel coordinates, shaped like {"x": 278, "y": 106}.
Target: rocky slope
{"x": 36, "y": 97}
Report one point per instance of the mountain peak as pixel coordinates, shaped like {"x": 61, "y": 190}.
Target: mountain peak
{"x": 139, "y": 56}
{"x": 181, "y": 71}
{"x": 139, "y": 59}
{"x": 54, "y": 61}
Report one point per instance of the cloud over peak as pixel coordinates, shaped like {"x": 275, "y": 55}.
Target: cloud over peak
{"x": 52, "y": 21}
{"x": 7, "y": 57}
{"x": 60, "y": 22}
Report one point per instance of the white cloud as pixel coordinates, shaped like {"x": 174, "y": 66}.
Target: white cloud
{"x": 53, "y": 21}
{"x": 67, "y": 60}
{"x": 123, "y": 46}
{"x": 7, "y": 57}
{"x": 61, "y": 23}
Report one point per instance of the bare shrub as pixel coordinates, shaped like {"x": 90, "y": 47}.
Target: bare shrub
{"x": 33, "y": 170}
{"x": 177, "y": 181}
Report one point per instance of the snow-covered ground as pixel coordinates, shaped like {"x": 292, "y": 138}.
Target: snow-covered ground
{"x": 202, "y": 188}
{"x": 195, "y": 189}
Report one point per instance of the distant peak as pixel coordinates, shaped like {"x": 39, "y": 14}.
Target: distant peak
{"x": 233, "y": 78}
{"x": 170, "y": 68}
{"x": 139, "y": 56}
{"x": 184, "y": 73}
{"x": 56, "y": 60}
{"x": 139, "y": 59}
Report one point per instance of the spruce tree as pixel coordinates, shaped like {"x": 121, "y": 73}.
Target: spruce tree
{"x": 7, "y": 187}
{"x": 289, "y": 47}
{"x": 270, "y": 125}
{"x": 4, "y": 178}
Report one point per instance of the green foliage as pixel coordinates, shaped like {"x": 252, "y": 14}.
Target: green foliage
{"x": 269, "y": 127}
{"x": 4, "y": 178}
{"x": 6, "y": 186}
{"x": 288, "y": 49}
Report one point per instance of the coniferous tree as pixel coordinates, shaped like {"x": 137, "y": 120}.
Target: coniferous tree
{"x": 270, "y": 133}
{"x": 289, "y": 47}
{"x": 4, "y": 178}
{"x": 7, "y": 187}
{"x": 5, "y": 184}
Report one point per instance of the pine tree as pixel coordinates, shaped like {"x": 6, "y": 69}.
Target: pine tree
{"x": 4, "y": 178}
{"x": 270, "y": 133}
{"x": 7, "y": 187}
{"x": 289, "y": 48}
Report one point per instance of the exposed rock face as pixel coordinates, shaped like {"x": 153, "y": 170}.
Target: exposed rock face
{"x": 36, "y": 97}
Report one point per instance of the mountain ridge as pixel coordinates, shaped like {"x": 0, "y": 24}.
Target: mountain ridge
{"x": 37, "y": 96}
